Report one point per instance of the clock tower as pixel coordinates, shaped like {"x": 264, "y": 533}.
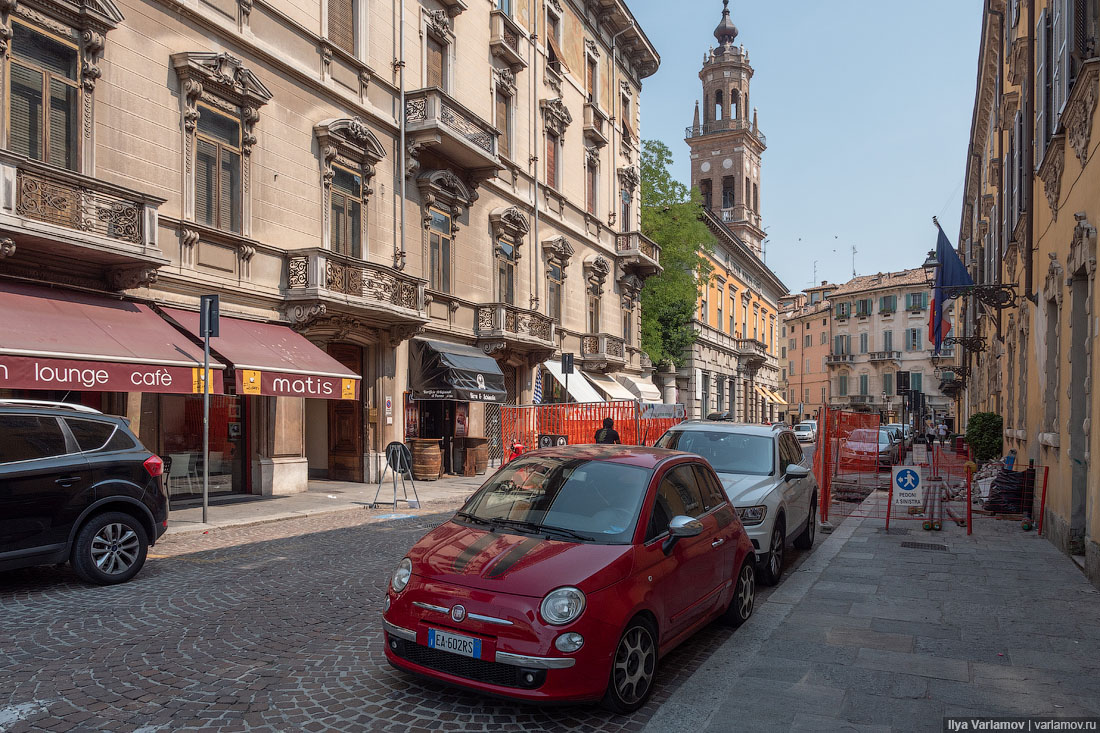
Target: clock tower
{"x": 725, "y": 139}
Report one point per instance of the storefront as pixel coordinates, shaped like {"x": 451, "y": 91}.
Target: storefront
{"x": 449, "y": 385}
{"x": 558, "y": 388}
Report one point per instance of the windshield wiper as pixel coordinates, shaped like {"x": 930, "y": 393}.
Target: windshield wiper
{"x": 567, "y": 532}
{"x": 536, "y": 528}
{"x": 472, "y": 518}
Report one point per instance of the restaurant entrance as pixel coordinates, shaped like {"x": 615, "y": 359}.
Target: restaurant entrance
{"x": 345, "y": 422}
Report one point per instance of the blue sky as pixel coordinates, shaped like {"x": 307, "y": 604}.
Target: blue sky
{"x": 866, "y": 105}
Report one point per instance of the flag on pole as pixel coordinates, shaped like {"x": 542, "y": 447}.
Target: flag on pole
{"x": 950, "y": 274}
{"x": 537, "y": 398}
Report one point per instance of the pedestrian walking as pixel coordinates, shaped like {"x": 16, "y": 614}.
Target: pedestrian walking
{"x": 607, "y": 435}
{"x": 930, "y": 434}
{"x": 942, "y": 432}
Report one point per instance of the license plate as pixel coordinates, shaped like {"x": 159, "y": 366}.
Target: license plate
{"x": 467, "y": 646}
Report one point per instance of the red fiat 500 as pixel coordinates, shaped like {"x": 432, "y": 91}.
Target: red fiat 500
{"x": 569, "y": 574}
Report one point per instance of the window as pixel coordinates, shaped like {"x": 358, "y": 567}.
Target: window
{"x": 727, "y": 452}
{"x": 44, "y": 104}
{"x": 863, "y": 387}
{"x": 842, "y": 385}
{"x": 218, "y": 170}
{"x": 504, "y": 123}
{"x": 709, "y": 488}
{"x": 863, "y": 307}
{"x": 435, "y": 64}
{"x": 706, "y": 193}
{"x": 808, "y": 340}
{"x": 628, "y": 326}
{"x": 720, "y": 318}
{"x": 783, "y": 352}
{"x": 756, "y": 198}
{"x": 341, "y": 24}
{"x": 793, "y": 344}
{"x": 704, "y": 389}
{"x": 756, "y": 324}
{"x": 916, "y": 301}
{"x": 439, "y": 249}
{"x": 842, "y": 345}
{"x": 887, "y": 340}
{"x": 733, "y": 311}
{"x": 806, "y": 370}
{"x": 505, "y": 6}
{"x": 677, "y": 495}
{"x": 506, "y": 271}
{"x": 553, "y": 292}
{"x": 592, "y": 185}
{"x": 888, "y": 383}
{"x": 824, "y": 338}
{"x": 729, "y": 193}
{"x": 625, "y": 114}
{"x": 90, "y": 435}
{"x": 888, "y": 304}
{"x": 591, "y": 79}
{"x": 721, "y": 393}
{"x": 913, "y": 339}
{"x": 784, "y": 374}
{"x": 807, "y": 396}
{"x": 594, "y": 307}
{"x": 703, "y": 293}
{"x": 28, "y": 437}
{"x": 843, "y": 310}
{"x": 552, "y": 159}
{"x": 790, "y": 368}
{"x": 346, "y": 215}
{"x": 916, "y": 381}
{"x": 864, "y": 340}
{"x": 553, "y": 40}
{"x": 625, "y": 220}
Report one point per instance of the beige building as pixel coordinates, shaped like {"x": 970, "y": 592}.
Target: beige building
{"x": 880, "y": 329}
{"x": 805, "y": 343}
{"x": 1029, "y": 240}
{"x": 387, "y": 185}
{"x": 733, "y": 365}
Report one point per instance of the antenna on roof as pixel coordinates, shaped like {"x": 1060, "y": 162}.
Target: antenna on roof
{"x": 854, "y": 250}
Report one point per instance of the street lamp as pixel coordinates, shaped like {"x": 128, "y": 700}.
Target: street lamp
{"x": 931, "y": 266}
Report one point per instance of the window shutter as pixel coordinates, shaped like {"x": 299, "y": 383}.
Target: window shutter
{"x": 206, "y": 157}
{"x": 591, "y": 201}
{"x": 503, "y": 146}
{"x": 336, "y": 223}
{"x": 435, "y": 63}
{"x": 1014, "y": 176}
{"x": 1060, "y": 60}
{"x": 1042, "y": 85}
{"x": 25, "y": 136}
{"x": 341, "y": 24}
{"x": 64, "y": 108}
{"x": 590, "y": 80}
{"x": 552, "y": 160}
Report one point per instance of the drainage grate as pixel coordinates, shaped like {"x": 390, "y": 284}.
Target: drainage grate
{"x": 924, "y": 546}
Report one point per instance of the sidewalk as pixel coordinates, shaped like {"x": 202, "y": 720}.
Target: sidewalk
{"x": 871, "y": 635}
{"x": 322, "y": 497}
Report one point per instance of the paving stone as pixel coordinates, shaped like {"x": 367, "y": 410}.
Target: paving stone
{"x": 862, "y": 638}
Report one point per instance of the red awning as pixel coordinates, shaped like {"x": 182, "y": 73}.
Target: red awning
{"x": 271, "y": 359}
{"x": 58, "y": 339}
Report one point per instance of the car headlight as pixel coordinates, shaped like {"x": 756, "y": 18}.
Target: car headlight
{"x": 752, "y": 514}
{"x": 561, "y": 606}
{"x": 401, "y": 575}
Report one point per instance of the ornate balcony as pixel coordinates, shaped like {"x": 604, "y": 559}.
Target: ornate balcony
{"x": 320, "y": 283}
{"x": 433, "y": 118}
{"x": 602, "y": 352}
{"x": 885, "y": 356}
{"x": 638, "y": 253}
{"x": 595, "y": 125}
{"x": 502, "y": 327}
{"x": 504, "y": 38}
{"x": 754, "y": 353}
{"x": 52, "y": 213}
{"x": 839, "y": 359}
{"x": 720, "y": 126}
{"x": 738, "y": 214}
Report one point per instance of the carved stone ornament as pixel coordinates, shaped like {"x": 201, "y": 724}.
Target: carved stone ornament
{"x": 404, "y": 332}
{"x": 349, "y": 139}
{"x": 246, "y": 8}
{"x": 592, "y": 47}
{"x": 555, "y": 5}
{"x": 444, "y": 189}
{"x": 591, "y": 155}
{"x": 557, "y": 251}
{"x": 1017, "y": 61}
{"x": 127, "y": 278}
{"x": 1050, "y": 172}
{"x": 631, "y": 288}
{"x": 630, "y": 177}
{"x": 92, "y": 41}
{"x": 509, "y": 222}
{"x": 596, "y": 270}
{"x": 1052, "y": 285}
{"x": 439, "y": 24}
{"x": 7, "y": 248}
{"x": 223, "y": 74}
{"x": 6, "y": 8}
{"x": 555, "y": 115}
{"x": 1080, "y": 108}
{"x": 1082, "y": 251}
{"x": 505, "y": 80}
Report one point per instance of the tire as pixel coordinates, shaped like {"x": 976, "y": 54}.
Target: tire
{"x": 744, "y": 595}
{"x": 633, "y": 669}
{"x": 771, "y": 565}
{"x": 110, "y": 548}
{"x": 805, "y": 540}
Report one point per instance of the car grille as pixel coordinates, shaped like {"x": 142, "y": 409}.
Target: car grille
{"x": 493, "y": 673}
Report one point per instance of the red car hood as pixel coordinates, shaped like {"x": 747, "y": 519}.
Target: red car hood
{"x": 516, "y": 564}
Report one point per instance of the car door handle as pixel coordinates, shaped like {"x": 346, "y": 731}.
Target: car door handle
{"x": 718, "y": 541}
{"x": 67, "y": 480}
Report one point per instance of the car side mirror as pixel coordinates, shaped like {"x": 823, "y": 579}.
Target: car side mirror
{"x": 681, "y": 526}
{"x": 795, "y": 472}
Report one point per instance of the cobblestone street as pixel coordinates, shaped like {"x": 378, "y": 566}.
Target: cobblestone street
{"x": 267, "y": 627}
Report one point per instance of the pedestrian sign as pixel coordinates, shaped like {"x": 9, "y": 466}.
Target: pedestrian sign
{"x": 907, "y": 486}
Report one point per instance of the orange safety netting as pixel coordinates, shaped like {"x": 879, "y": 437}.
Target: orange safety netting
{"x": 579, "y": 422}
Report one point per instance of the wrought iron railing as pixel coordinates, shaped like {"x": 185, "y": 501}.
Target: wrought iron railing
{"x": 602, "y": 345}
{"x": 636, "y": 242}
{"x": 434, "y": 106}
{"x": 324, "y": 270}
{"x": 497, "y": 319}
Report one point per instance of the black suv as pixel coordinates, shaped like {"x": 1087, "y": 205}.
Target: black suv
{"x": 76, "y": 485}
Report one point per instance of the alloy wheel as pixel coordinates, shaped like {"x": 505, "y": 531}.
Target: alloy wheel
{"x": 775, "y": 554}
{"x": 746, "y": 591}
{"x": 115, "y": 548}
{"x": 635, "y": 662}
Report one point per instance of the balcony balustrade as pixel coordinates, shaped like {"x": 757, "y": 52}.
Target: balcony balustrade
{"x": 434, "y": 118}
{"x": 504, "y": 40}
{"x": 719, "y": 126}
{"x": 638, "y": 253}
{"x": 321, "y": 277}
{"x": 519, "y": 328}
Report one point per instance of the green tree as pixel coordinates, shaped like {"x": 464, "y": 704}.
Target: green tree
{"x": 984, "y": 431}
{"x": 671, "y": 216}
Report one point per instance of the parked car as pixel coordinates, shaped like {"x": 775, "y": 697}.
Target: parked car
{"x": 867, "y": 447}
{"x": 767, "y": 478}
{"x": 76, "y": 485}
{"x": 569, "y": 574}
{"x": 806, "y": 431}
{"x": 897, "y": 436}
{"x": 906, "y": 431}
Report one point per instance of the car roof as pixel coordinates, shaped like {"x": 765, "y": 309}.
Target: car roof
{"x": 633, "y": 455}
{"x": 54, "y": 409}
{"x": 727, "y": 426}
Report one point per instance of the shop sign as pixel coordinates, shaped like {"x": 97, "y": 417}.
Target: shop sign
{"x": 29, "y": 372}
{"x": 278, "y": 384}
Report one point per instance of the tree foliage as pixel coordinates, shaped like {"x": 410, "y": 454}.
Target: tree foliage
{"x": 983, "y": 434}
{"x": 671, "y": 217}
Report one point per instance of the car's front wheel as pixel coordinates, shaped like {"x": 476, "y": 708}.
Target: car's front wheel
{"x": 771, "y": 565}
{"x": 110, "y": 548}
{"x": 633, "y": 668}
{"x": 805, "y": 540}
{"x": 744, "y": 595}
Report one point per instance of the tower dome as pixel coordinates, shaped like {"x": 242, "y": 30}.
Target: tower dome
{"x": 726, "y": 31}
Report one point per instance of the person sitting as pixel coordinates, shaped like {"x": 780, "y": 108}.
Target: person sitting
{"x": 607, "y": 435}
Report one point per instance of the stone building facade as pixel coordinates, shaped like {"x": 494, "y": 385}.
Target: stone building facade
{"x": 1030, "y": 212}
{"x": 733, "y": 365}
{"x": 805, "y": 339}
{"x": 370, "y": 176}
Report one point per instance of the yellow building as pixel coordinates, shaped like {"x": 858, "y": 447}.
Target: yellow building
{"x": 1033, "y": 361}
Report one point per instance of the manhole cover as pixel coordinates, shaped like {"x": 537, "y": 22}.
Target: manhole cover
{"x": 924, "y": 546}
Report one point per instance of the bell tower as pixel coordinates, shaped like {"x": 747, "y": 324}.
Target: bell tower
{"x": 725, "y": 140}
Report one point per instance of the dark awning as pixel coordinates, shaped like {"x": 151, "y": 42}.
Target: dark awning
{"x": 59, "y": 339}
{"x": 442, "y": 371}
{"x": 272, "y": 359}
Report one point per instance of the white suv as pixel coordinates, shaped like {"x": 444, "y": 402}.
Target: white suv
{"x": 806, "y": 431}
{"x": 767, "y": 479}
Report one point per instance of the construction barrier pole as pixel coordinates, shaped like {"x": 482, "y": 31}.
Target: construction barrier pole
{"x": 638, "y": 439}
{"x": 1043, "y": 500}
{"x": 969, "y": 501}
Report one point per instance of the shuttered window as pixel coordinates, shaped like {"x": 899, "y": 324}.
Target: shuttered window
{"x": 864, "y": 343}
{"x": 346, "y": 217}
{"x": 218, "y": 171}
{"x": 1059, "y": 59}
{"x": 594, "y": 308}
{"x": 44, "y": 98}
{"x": 341, "y": 24}
{"x": 506, "y": 271}
{"x": 551, "y": 160}
{"x": 864, "y": 388}
{"x": 591, "y": 186}
{"x": 553, "y": 292}
{"x": 842, "y": 385}
{"x": 504, "y": 124}
{"x": 887, "y": 383}
{"x": 590, "y": 79}
{"x": 435, "y": 63}
{"x": 1042, "y": 86}
{"x": 439, "y": 246}
{"x": 887, "y": 340}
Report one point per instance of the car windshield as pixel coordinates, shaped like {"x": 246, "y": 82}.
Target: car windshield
{"x": 566, "y": 498}
{"x": 802, "y": 428}
{"x": 727, "y": 451}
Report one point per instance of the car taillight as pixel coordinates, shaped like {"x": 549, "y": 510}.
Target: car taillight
{"x": 154, "y": 465}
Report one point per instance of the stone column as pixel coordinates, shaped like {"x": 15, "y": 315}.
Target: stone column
{"x": 283, "y": 466}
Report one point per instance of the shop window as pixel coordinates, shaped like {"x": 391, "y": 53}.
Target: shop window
{"x": 218, "y": 171}
{"x": 346, "y": 216}
{"x": 439, "y": 248}
{"x": 181, "y": 444}
{"x": 44, "y": 96}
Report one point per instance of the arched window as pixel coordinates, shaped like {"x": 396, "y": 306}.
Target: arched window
{"x": 718, "y": 101}
{"x": 735, "y": 104}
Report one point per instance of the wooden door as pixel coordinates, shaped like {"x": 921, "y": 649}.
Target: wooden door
{"x": 345, "y": 422}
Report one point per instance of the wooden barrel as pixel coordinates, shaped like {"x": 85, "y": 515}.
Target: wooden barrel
{"x": 477, "y": 450}
{"x": 427, "y": 458}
